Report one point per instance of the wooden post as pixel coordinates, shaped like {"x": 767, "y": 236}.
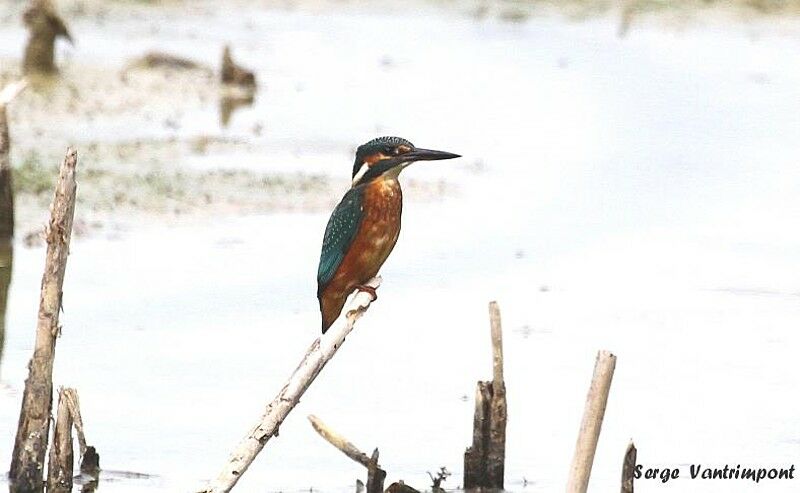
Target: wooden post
{"x": 30, "y": 445}
{"x": 315, "y": 359}
{"x": 592, "y": 422}
{"x": 628, "y": 467}
{"x": 484, "y": 460}
{"x": 61, "y": 463}
{"x": 7, "y": 94}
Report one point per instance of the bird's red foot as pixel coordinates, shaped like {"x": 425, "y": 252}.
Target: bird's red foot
{"x": 368, "y": 289}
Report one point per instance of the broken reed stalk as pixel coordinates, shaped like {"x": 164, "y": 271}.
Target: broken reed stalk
{"x": 496, "y": 455}
{"x": 61, "y": 462}
{"x": 375, "y": 475}
{"x": 592, "y": 421}
{"x": 628, "y": 467}
{"x": 30, "y": 445}
{"x": 317, "y": 356}
{"x": 484, "y": 460}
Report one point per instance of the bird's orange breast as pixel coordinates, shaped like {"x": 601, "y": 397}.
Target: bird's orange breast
{"x": 377, "y": 235}
{"x": 382, "y": 206}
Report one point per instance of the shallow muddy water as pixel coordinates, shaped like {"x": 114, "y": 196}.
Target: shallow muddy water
{"x": 636, "y": 194}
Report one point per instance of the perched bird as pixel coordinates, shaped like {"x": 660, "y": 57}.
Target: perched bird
{"x": 364, "y": 227}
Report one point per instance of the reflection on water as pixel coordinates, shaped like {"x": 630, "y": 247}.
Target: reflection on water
{"x": 229, "y": 103}
{"x": 6, "y": 262}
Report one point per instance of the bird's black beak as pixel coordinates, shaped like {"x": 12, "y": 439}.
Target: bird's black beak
{"x": 418, "y": 154}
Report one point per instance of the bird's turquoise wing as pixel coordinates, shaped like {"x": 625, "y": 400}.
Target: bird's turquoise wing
{"x": 339, "y": 234}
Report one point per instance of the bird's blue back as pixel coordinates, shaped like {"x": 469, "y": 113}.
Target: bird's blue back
{"x": 339, "y": 235}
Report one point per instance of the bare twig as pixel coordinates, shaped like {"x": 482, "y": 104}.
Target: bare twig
{"x": 375, "y": 475}
{"x": 27, "y": 461}
{"x": 592, "y": 422}
{"x": 628, "y": 467}
{"x": 339, "y": 441}
{"x": 437, "y": 480}
{"x": 317, "y": 356}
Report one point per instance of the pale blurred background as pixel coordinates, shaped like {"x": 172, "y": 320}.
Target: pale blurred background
{"x": 630, "y": 182}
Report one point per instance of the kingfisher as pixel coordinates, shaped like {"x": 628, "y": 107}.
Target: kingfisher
{"x": 364, "y": 227}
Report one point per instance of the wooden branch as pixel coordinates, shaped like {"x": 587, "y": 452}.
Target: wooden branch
{"x": 61, "y": 463}
{"x": 27, "y": 461}
{"x": 7, "y": 94}
{"x": 592, "y": 422}
{"x": 628, "y": 467}
{"x": 339, "y": 441}
{"x": 317, "y": 356}
{"x": 375, "y": 475}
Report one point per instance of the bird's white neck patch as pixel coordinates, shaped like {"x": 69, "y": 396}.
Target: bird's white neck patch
{"x": 393, "y": 172}
{"x": 360, "y": 174}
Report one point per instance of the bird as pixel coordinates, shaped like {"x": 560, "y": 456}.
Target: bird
{"x": 364, "y": 227}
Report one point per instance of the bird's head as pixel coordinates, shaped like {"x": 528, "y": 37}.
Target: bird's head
{"x": 390, "y": 155}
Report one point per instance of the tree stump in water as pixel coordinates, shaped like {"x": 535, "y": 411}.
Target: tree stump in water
{"x": 44, "y": 27}
{"x": 484, "y": 460}
{"x": 234, "y": 74}
{"x": 27, "y": 461}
